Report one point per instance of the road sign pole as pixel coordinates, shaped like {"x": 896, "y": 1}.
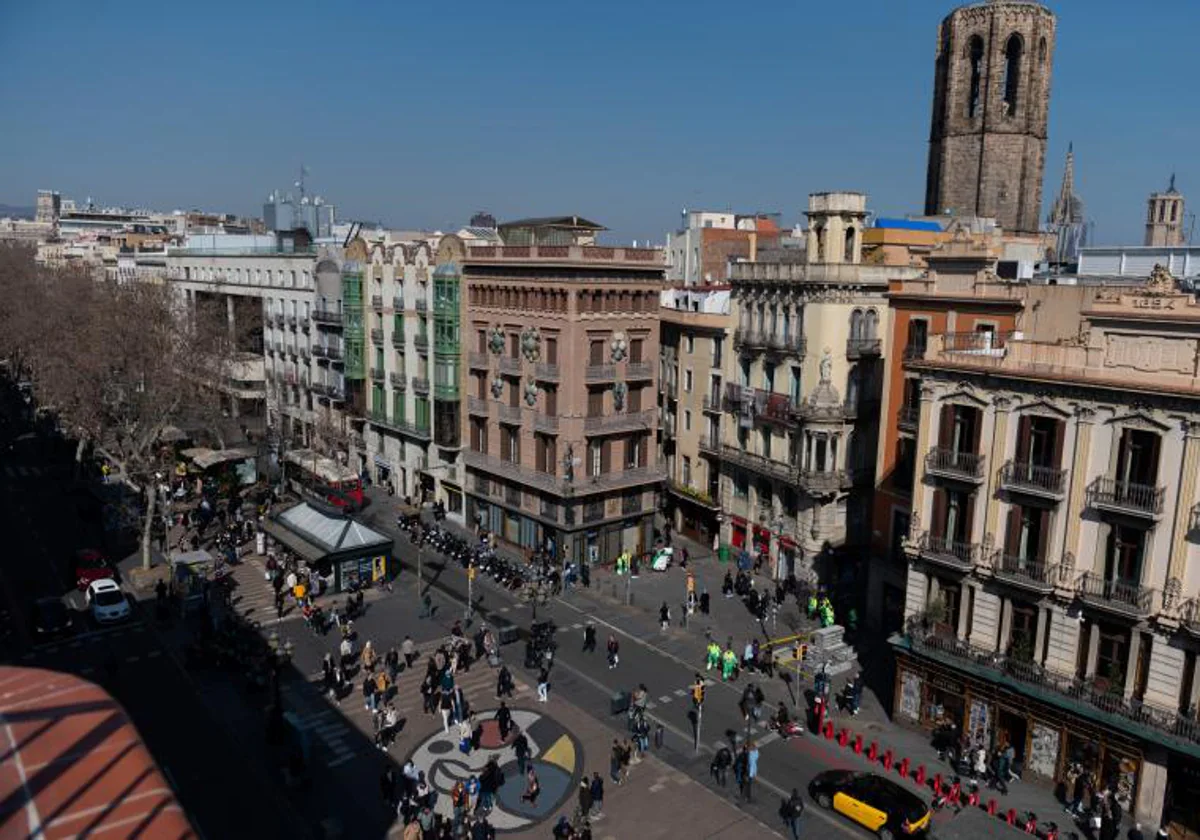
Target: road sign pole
{"x": 699, "y": 717}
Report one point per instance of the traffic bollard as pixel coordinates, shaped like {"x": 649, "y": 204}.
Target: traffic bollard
{"x": 858, "y": 745}
{"x": 904, "y": 767}
{"x": 887, "y": 760}
{"x": 921, "y": 775}
{"x": 873, "y": 752}
{"x": 843, "y": 737}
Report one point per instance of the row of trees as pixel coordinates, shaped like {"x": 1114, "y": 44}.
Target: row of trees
{"x": 120, "y": 366}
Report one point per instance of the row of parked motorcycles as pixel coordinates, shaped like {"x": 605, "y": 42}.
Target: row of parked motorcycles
{"x": 457, "y": 550}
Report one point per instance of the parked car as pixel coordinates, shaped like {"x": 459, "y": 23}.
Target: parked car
{"x": 107, "y": 601}
{"x": 874, "y": 802}
{"x": 50, "y": 618}
{"x": 91, "y": 565}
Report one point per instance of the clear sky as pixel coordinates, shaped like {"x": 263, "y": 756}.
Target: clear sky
{"x": 420, "y": 114}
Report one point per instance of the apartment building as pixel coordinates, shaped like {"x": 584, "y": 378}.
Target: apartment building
{"x": 699, "y": 253}
{"x": 1053, "y": 558}
{"x": 412, "y": 431}
{"x": 800, "y": 407}
{"x": 559, "y": 431}
{"x": 696, "y": 337}
{"x": 960, "y": 296}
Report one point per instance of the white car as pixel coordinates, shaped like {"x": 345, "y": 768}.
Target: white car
{"x": 107, "y": 601}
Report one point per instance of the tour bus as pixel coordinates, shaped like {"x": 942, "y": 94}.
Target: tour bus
{"x": 314, "y": 476}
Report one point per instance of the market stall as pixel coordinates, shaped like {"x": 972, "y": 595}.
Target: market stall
{"x": 340, "y": 550}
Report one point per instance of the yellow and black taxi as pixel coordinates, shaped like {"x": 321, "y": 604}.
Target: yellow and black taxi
{"x": 878, "y": 804}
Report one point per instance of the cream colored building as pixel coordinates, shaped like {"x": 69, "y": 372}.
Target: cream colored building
{"x": 1054, "y": 564}
{"x": 801, "y": 400}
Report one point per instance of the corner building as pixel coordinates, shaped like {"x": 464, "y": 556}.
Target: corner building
{"x": 562, "y": 382}
{"x": 1054, "y": 558}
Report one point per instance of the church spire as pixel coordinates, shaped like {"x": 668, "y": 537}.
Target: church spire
{"x": 1065, "y": 206}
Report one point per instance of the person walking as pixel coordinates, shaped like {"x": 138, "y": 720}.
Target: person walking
{"x": 589, "y": 638}
{"x": 409, "y": 651}
{"x": 504, "y": 683}
{"x": 614, "y": 762}
{"x": 614, "y": 651}
{"x": 585, "y": 798}
{"x": 446, "y": 706}
{"x": 521, "y": 750}
{"x": 597, "y": 796}
{"x": 792, "y": 810}
{"x": 719, "y": 767}
{"x": 664, "y": 616}
{"x": 543, "y": 685}
{"x": 504, "y": 720}
{"x": 532, "y": 787}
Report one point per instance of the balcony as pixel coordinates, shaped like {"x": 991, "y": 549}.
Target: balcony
{"x": 304, "y": 354}
{"x": 1032, "y": 575}
{"x": 698, "y": 496}
{"x": 510, "y": 365}
{"x": 477, "y": 361}
{"x": 545, "y": 423}
{"x": 1122, "y": 597}
{"x": 377, "y": 302}
{"x": 671, "y": 389}
{"x": 398, "y": 341}
{"x": 948, "y": 463}
{"x": 1067, "y": 692}
{"x": 421, "y": 305}
{"x": 420, "y": 385}
{"x": 913, "y": 352}
{"x": 547, "y": 371}
{"x": 377, "y": 374}
{"x": 1142, "y": 500}
{"x": 327, "y": 317}
{"x": 824, "y": 482}
{"x": 398, "y": 303}
{"x": 613, "y": 423}
{"x": 779, "y": 470}
{"x": 667, "y": 427}
{"x": 421, "y": 342}
{"x": 639, "y": 370}
{"x": 377, "y": 335}
{"x": 278, "y": 319}
{"x": 320, "y": 352}
{"x": 1033, "y": 479}
{"x": 305, "y": 322}
{"x": 600, "y": 373}
{"x": 291, "y": 321}
{"x": 857, "y": 348}
{"x": 399, "y": 381}
{"x": 709, "y": 445}
{"x": 955, "y": 555}
{"x": 908, "y": 418}
{"x": 506, "y": 469}
{"x": 477, "y": 405}
{"x": 711, "y": 404}
{"x": 510, "y": 413}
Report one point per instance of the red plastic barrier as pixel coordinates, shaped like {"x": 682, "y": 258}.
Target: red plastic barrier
{"x": 937, "y": 783}
{"x": 991, "y": 807}
{"x": 829, "y": 730}
{"x": 1012, "y": 816}
{"x": 921, "y": 775}
{"x": 873, "y": 752}
{"x": 887, "y": 760}
{"x": 843, "y": 737}
{"x": 858, "y": 745}
{"x": 904, "y": 767}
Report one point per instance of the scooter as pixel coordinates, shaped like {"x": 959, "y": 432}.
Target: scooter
{"x": 790, "y": 729}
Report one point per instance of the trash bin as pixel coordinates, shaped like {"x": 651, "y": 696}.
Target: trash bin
{"x": 619, "y": 703}
{"x": 659, "y": 735}
{"x": 723, "y": 553}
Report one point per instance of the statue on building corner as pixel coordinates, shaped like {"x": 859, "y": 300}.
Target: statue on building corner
{"x": 826, "y": 366}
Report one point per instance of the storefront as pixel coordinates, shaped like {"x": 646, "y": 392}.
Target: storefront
{"x": 343, "y": 552}
{"x": 383, "y": 471}
{"x": 737, "y": 532}
{"x": 786, "y": 564}
{"x": 762, "y": 541}
{"x": 1052, "y": 742}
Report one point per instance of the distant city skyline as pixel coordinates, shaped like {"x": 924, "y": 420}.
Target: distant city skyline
{"x": 626, "y": 116}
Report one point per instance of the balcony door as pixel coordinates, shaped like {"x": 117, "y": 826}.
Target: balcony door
{"x": 1040, "y": 441}
{"x": 1123, "y": 556}
{"x": 960, "y": 429}
{"x": 1027, "y": 533}
{"x": 1137, "y": 457}
{"x": 953, "y": 511}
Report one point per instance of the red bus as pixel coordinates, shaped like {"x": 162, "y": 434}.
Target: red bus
{"x": 311, "y": 475}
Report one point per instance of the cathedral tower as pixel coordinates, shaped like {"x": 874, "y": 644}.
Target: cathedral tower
{"x": 991, "y": 97}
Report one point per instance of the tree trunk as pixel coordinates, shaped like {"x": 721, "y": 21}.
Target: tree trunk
{"x": 151, "y": 501}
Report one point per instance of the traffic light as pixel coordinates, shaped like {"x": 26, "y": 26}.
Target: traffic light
{"x": 698, "y": 694}
{"x": 800, "y": 652}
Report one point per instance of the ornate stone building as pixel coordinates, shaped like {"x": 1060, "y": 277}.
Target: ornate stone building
{"x": 1054, "y": 564}
{"x": 1165, "y": 218}
{"x": 991, "y": 98}
{"x": 797, "y": 435}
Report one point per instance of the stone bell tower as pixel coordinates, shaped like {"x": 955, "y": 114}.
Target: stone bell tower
{"x": 991, "y": 98}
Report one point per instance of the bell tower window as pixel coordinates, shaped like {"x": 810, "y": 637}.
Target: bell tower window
{"x": 975, "y": 56}
{"x": 1012, "y": 73}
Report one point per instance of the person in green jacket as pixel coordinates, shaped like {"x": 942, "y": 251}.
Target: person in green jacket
{"x": 728, "y": 664}
{"x": 713, "y": 656}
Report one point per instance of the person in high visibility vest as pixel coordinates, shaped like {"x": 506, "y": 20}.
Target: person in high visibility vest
{"x": 826, "y": 612}
{"x": 812, "y": 606}
{"x": 713, "y": 656}
{"x": 728, "y": 664}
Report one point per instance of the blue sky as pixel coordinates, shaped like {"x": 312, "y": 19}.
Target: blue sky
{"x": 422, "y": 113}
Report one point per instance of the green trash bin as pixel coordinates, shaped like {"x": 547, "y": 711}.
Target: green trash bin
{"x": 723, "y": 553}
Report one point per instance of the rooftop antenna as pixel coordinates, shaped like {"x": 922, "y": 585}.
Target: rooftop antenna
{"x": 300, "y": 183}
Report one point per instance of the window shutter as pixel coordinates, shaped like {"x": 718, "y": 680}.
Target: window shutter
{"x": 1024, "y": 426}
{"x": 977, "y": 430}
{"x": 1043, "y": 532}
{"x": 1060, "y": 431}
{"x": 606, "y": 457}
{"x": 938, "y": 525}
{"x": 964, "y": 531}
{"x": 946, "y": 426}
{"x": 1012, "y": 531}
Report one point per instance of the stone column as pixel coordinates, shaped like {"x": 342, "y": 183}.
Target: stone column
{"x": 1039, "y": 640}
{"x": 1131, "y": 664}
{"x": 927, "y": 430}
{"x": 1185, "y": 501}
{"x": 996, "y": 459}
{"x": 229, "y": 317}
{"x": 1002, "y": 639}
{"x": 1084, "y": 419}
{"x": 1093, "y": 651}
{"x": 964, "y": 610}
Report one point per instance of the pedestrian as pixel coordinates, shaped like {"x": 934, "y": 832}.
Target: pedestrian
{"x": 426, "y": 607}
{"x": 614, "y": 651}
{"x": 446, "y": 706}
{"x": 504, "y": 720}
{"x": 504, "y": 683}
{"x": 585, "y": 797}
{"x": 532, "y": 787}
{"x": 597, "y": 796}
{"x": 739, "y": 769}
{"x": 368, "y": 690}
{"x": 719, "y": 767}
{"x": 521, "y": 750}
{"x": 614, "y": 762}
{"x": 791, "y": 811}
{"x": 409, "y": 651}
{"x": 387, "y": 785}
{"x": 543, "y": 685}
{"x": 589, "y": 638}
{"x": 664, "y": 616}
{"x": 751, "y": 769}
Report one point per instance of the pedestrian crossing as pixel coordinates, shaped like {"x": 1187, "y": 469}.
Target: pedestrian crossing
{"x": 23, "y": 471}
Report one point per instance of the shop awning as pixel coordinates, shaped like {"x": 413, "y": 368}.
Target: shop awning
{"x": 205, "y": 458}
{"x": 313, "y": 533}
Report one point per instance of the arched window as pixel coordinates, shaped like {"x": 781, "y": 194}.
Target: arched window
{"x": 849, "y": 253}
{"x": 1042, "y": 53}
{"x": 853, "y": 382}
{"x": 820, "y": 244}
{"x": 1012, "y": 73}
{"x": 975, "y": 57}
{"x": 1162, "y": 209}
{"x": 871, "y": 324}
{"x": 1174, "y": 210}
{"x": 856, "y": 324}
